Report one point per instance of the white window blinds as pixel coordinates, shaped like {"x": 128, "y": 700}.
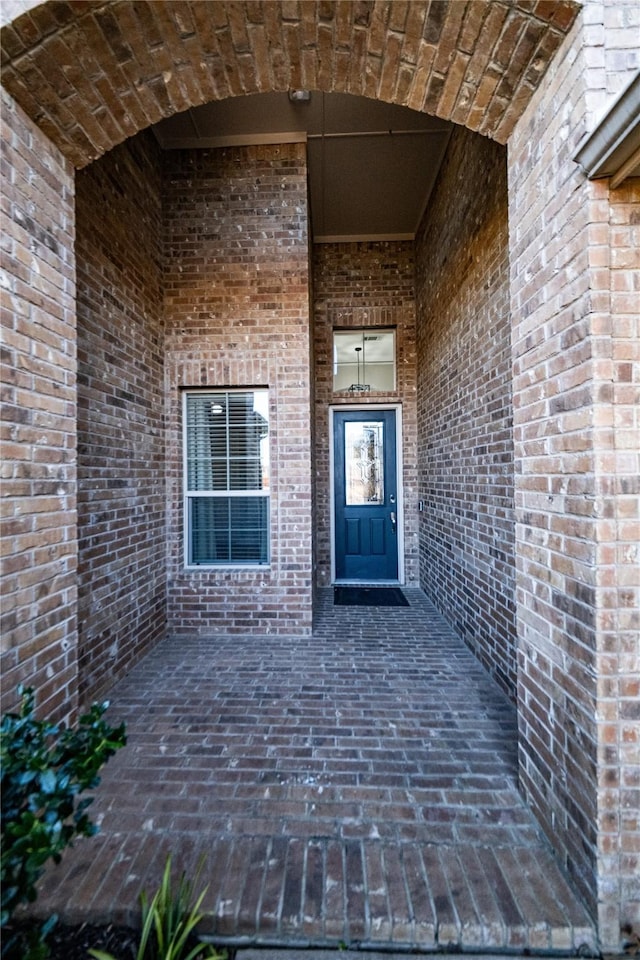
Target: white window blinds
{"x": 227, "y": 477}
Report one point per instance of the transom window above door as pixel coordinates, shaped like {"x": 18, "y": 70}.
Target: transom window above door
{"x": 226, "y": 477}
{"x": 364, "y": 360}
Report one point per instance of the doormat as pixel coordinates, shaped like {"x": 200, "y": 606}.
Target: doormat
{"x": 369, "y": 597}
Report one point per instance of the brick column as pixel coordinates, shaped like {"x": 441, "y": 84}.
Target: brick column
{"x": 611, "y": 38}
{"x": 39, "y": 540}
{"x": 236, "y": 302}
{"x": 571, "y": 248}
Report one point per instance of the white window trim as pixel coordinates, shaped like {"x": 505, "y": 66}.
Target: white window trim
{"x": 366, "y": 332}
{"x": 188, "y": 495}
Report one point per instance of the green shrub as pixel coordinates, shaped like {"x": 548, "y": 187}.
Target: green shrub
{"x": 169, "y": 921}
{"x": 44, "y": 769}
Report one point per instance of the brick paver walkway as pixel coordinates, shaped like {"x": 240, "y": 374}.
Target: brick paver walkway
{"x": 355, "y": 787}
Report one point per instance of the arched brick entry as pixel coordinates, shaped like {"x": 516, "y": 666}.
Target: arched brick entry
{"x": 78, "y": 75}
{"x": 91, "y": 77}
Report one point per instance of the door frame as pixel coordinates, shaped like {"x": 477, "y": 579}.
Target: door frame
{"x": 359, "y": 408}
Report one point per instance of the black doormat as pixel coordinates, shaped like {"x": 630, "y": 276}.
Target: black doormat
{"x": 369, "y": 597}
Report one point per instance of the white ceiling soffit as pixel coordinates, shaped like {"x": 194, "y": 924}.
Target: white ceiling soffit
{"x": 372, "y": 165}
{"x": 613, "y": 148}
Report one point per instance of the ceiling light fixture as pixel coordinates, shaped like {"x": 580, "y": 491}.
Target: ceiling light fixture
{"x": 299, "y": 96}
{"x": 359, "y": 387}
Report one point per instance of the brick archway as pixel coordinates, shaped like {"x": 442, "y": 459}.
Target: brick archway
{"x": 91, "y": 76}
{"x": 87, "y": 76}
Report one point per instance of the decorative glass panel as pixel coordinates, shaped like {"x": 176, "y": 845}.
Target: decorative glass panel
{"x": 364, "y": 462}
{"x": 364, "y": 360}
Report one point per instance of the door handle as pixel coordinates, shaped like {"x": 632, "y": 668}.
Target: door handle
{"x": 393, "y": 521}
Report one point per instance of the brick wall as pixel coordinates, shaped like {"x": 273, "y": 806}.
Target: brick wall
{"x": 121, "y": 482}
{"x": 237, "y": 311}
{"x": 573, "y": 340}
{"x": 39, "y": 549}
{"x": 465, "y": 451}
{"x": 615, "y": 262}
{"x": 611, "y": 30}
{"x": 474, "y": 63}
{"x": 364, "y": 285}
{"x": 612, "y": 56}
{"x": 554, "y": 397}
{"x": 574, "y": 302}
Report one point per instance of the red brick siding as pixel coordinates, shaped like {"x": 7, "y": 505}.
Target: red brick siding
{"x": 364, "y": 285}
{"x": 465, "y": 449}
{"x": 39, "y": 548}
{"x": 575, "y": 546}
{"x": 616, "y": 272}
{"x": 556, "y": 484}
{"x": 614, "y": 280}
{"x": 97, "y": 75}
{"x": 237, "y": 311}
{"x": 554, "y": 400}
{"x": 121, "y": 481}
{"x": 574, "y": 297}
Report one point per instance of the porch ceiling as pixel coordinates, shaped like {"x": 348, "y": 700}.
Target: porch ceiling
{"x": 372, "y": 165}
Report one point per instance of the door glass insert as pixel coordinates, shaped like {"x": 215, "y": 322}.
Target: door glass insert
{"x": 364, "y": 462}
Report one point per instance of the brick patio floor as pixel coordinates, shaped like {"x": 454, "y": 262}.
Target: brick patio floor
{"x": 355, "y": 787}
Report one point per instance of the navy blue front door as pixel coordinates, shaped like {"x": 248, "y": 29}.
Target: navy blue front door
{"x": 366, "y": 495}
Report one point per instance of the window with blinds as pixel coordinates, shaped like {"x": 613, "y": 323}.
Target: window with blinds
{"x": 226, "y": 477}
